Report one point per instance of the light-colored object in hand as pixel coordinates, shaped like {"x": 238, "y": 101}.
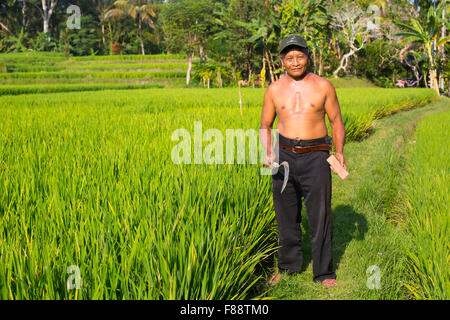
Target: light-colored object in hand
{"x": 284, "y": 164}
{"x": 336, "y": 165}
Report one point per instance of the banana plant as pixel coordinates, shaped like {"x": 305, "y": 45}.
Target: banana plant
{"x": 311, "y": 18}
{"x": 142, "y": 10}
{"x": 264, "y": 32}
{"x": 297, "y": 16}
{"x": 17, "y": 42}
{"x": 424, "y": 34}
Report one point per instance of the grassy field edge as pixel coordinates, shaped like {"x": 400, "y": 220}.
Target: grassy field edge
{"x": 424, "y": 193}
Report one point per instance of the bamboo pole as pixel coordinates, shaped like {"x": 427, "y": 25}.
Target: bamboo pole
{"x": 240, "y": 97}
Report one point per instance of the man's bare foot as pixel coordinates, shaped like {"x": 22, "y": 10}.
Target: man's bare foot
{"x": 328, "y": 283}
{"x": 273, "y": 281}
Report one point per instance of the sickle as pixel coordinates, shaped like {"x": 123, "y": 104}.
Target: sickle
{"x": 285, "y": 164}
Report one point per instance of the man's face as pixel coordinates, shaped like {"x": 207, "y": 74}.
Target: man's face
{"x": 295, "y": 61}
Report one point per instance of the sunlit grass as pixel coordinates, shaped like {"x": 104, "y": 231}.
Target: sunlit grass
{"x": 87, "y": 179}
{"x": 426, "y": 190}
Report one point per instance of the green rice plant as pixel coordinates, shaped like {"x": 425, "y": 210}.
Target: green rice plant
{"x": 426, "y": 189}
{"x": 47, "y": 88}
{"x": 361, "y": 106}
{"x": 166, "y": 82}
{"x": 103, "y": 194}
{"x": 98, "y": 75}
{"x": 87, "y": 180}
{"x": 32, "y": 56}
{"x": 351, "y": 82}
{"x": 50, "y": 58}
{"x": 34, "y": 68}
{"x": 135, "y": 57}
{"x": 131, "y": 66}
{"x": 26, "y": 67}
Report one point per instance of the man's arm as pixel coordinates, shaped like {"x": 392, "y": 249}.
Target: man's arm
{"x": 265, "y": 133}
{"x": 333, "y": 111}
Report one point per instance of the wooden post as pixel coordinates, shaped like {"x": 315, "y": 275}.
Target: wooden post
{"x": 240, "y": 97}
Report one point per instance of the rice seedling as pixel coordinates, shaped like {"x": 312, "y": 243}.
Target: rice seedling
{"x": 47, "y": 88}
{"x": 426, "y": 190}
{"x": 87, "y": 180}
{"x": 99, "y": 75}
{"x": 25, "y": 67}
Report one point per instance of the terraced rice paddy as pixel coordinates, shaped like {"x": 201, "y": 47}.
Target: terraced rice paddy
{"x": 131, "y": 71}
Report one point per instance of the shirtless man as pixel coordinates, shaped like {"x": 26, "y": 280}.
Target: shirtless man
{"x": 301, "y": 99}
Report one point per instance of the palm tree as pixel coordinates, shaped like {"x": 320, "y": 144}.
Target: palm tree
{"x": 137, "y": 9}
{"x": 425, "y": 34}
{"x": 102, "y": 7}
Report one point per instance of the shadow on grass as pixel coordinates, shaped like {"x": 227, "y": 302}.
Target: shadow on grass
{"x": 348, "y": 225}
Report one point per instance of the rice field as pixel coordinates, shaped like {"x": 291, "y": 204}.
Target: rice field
{"x": 426, "y": 190}
{"x": 68, "y": 87}
{"x": 51, "y": 68}
{"x": 87, "y": 182}
{"x": 105, "y": 74}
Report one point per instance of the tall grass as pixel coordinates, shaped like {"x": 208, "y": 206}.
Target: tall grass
{"x": 426, "y": 189}
{"x": 87, "y": 179}
{"x": 48, "y": 88}
{"x": 135, "y": 57}
{"x": 100, "y": 75}
{"x": 93, "y": 185}
{"x": 363, "y": 105}
{"x": 25, "y": 67}
{"x": 351, "y": 82}
{"x": 48, "y": 58}
{"x": 55, "y": 57}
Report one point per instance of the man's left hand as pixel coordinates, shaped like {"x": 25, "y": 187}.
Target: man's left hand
{"x": 341, "y": 159}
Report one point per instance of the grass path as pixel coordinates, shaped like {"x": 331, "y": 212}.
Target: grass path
{"x": 367, "y": 218}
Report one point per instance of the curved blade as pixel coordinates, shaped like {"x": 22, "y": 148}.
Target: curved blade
{"x": 285, "y": 164}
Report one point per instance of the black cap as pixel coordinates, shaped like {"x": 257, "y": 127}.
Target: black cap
{"x": 294, "y": 40}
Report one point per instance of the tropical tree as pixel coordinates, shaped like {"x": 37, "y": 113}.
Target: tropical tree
{"x": 9, "y": 20}
{"x": 205, "y": 70}
{"x": 264, "y": 32}
{"x": 309, "y": 18}
{"x": 136, "y": 9}
{"x": 186, "y": 24}
{"x": 426, "y": 35}
{"x": 297, "y": 16}
{"x": 102, "y": 7}
{"x": 316, "y": 29}
{"x": 231, "y": 34}
{"x": 351, "y": 23}
{"x": 48, "y": 6}
{"x": 17, "y": 42}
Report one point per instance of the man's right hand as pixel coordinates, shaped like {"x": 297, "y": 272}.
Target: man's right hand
{"x": 268, "y": 159}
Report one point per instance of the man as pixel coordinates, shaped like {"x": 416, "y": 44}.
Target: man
{"x": 301, "y": 99}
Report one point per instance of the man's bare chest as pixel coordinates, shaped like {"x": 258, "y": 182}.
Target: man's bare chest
{"x": 299, "y": 100}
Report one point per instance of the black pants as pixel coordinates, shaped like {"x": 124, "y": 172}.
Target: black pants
{"x": 310, "y": 178}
